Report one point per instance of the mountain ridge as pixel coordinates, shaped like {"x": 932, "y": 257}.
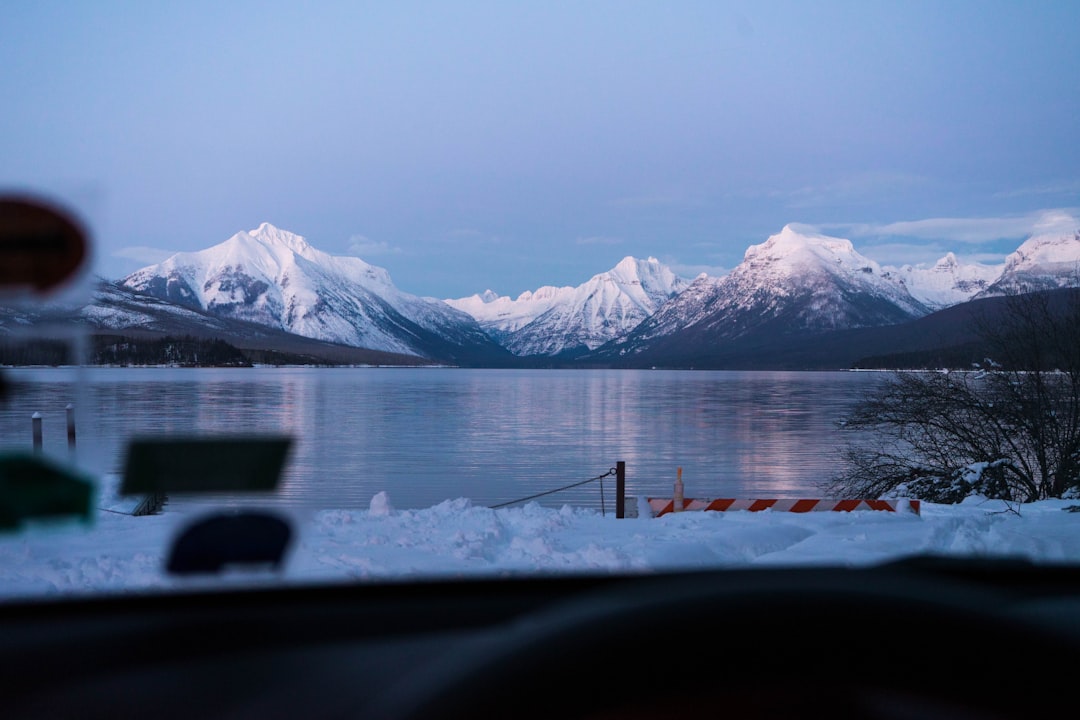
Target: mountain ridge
{"x": 273, "y": 284}
{"x": 276, "y": 278}
{"x": 553, "y": 320}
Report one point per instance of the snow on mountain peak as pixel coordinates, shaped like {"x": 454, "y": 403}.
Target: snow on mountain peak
{"x": 630, "y": 264}
{"x": 793, "y": 239}
{"x": 949, "y": 261}
{"x": 1052, "y": 248}
{"x": 795, "y": 250}
{"x": 1047, "y": 249}
{"x": 274, "y": 277}
{"x": 270, "y": 235}
{"x": 946, "y": 282}
{"x": 797, "y": 276}
{"x": 552, "y": 319}
{"x": 799, "y": 265}
{"x": 796, "y": 281}
{"x": 1042, "y": 262}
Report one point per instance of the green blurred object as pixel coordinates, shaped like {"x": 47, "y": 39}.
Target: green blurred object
{"x": 32, "y": 487}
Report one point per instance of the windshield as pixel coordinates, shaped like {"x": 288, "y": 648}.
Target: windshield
{"x": 383, "y": 291}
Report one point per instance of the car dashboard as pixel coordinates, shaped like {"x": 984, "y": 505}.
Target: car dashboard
{"x": 923, "y": 637}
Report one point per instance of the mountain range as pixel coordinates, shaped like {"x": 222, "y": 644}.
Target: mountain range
{"x": 798, "y": 283}
{"x": 275, "y": 278}
{"x": 554, "y": 320}
{"x": 269, "y": 289}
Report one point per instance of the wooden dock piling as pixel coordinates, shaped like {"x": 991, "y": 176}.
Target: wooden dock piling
{"x": 35, "y": 421}
{"x": 71, "y": 427}
{"x": 620, "y": 489}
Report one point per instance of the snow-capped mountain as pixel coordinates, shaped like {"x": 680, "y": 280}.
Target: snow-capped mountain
{"x": 115, "y": 307}
{"x": 275, "y": 278}
{"x": 269, "y": 288}
{"x": 552, "y": 320}
{"x": 1043, "y": 262}
{"x": 947, "y": 282}
{"x": 794, "y": 282}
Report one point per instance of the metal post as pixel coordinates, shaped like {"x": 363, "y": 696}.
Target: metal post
{"x": 71, "y": 428}
{"x": 620, "y": 490}
{"x": 677, "y": 501}
{"x": 36, "y": 422}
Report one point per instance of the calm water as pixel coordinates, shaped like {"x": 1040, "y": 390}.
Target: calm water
{"x": 427, "y": 435}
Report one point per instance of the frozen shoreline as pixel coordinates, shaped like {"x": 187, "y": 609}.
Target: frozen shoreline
{"x": 120, "y": 553}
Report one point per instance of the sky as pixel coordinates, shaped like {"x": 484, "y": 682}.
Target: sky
{"x": 466, "y": 146}
{"x": 457, "y": 538}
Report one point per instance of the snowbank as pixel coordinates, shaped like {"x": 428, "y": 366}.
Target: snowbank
{"x": 458, "y": 539}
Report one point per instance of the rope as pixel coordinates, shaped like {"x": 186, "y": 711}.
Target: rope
{"x": 610, "y": 472}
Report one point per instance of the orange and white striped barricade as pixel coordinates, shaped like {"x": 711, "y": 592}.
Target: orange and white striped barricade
{"x": 663, "y": 506}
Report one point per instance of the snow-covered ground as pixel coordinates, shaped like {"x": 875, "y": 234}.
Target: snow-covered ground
{"x": 458, "y": 539}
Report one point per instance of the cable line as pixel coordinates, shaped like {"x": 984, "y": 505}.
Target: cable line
{"x": 610, "y": 472}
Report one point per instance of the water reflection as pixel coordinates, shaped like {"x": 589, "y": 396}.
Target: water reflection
{"x": 426, "y": 435}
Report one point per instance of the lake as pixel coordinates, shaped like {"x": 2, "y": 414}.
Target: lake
{"x": 425, "y": 435}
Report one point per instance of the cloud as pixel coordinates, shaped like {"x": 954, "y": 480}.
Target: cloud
{"x": 1057, "y": 221}
{"x": 1064, "y": 188}
{"x": 922, "y": 242}
{"x": 143, "y": 254}
{"x": 361, "y": 247}
{"x": 898, "y": 254}
{"x": 972, "y": 231}
{"x": 692, "y": 271}
{"x": 985, "y": 258}
{"x": 808, "y": 229}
